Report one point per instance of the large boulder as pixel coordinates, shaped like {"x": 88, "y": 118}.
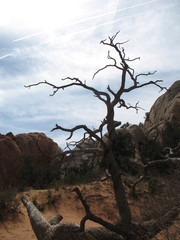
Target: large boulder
{"x": 166, "y": 109}
{"x": 82, "y": 160}
{"x": 38, "y": 147}
{"x": 35, "y": 147}
{"x": 10, "y": 156}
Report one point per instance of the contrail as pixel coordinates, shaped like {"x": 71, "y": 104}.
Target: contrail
{"x": 87, "y": 19}
{"x": 29, "y": 36}
{"x": 112, "y": 12}
{"x": 97, "y": 26}
{"x": 6, "y": 55}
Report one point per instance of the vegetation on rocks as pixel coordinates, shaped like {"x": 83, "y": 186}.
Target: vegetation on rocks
{"x": 171, "y": 135}
{"x": 38, "y": 175}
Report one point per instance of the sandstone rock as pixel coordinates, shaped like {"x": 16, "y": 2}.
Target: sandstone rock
{"x": 10, "y": 156}
{"x": 165, "y": 109}
{"x": 38, "y": 147}
{"x": 83, "y": 160}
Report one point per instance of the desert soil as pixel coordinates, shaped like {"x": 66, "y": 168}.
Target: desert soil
{"x": 98, "y": 195}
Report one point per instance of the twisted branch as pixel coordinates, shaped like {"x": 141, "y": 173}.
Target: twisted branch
{"x": 87, "y": 130}
{"x": 119, "y": 229}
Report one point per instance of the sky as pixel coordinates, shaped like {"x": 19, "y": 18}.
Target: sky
{"x": 53, "y": 39}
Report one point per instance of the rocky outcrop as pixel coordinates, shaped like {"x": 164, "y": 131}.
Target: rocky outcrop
{"x": 83, "y": 160}
{"x": 93, "y": 161}
{"x": 165, "y": 109}
{"x": 36, "y": 147}
{"x": 10, "y": 156}
{"x": 137, "y": 138}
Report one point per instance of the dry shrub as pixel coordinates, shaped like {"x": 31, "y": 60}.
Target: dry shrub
{"x": 9, "y": 204}
{"x": 163, "y": 201}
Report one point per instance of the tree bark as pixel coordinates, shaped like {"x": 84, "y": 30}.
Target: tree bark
{"x": 119, "y": 191}
{"x": 38, "y": 222}
{"x": 63, "y": 231}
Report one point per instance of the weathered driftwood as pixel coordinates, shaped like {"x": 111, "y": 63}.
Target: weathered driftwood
{"x": 44, "y": 230}
{"x": 54, "y": 230}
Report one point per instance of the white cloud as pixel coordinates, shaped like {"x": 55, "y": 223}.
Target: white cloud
{"x": 62, "y": 40}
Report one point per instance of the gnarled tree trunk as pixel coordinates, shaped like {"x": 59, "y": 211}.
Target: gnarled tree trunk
{"x": 119, "y": 190}
{"x": 63, "y": 231}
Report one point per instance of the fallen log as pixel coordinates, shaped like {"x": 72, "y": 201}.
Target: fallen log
{"x": 45, "y": 230}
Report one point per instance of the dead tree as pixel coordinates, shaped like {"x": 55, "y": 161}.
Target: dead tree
{"x": 111, "y": 99}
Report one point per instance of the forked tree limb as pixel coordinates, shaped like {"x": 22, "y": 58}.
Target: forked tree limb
{"x": 62, "y": 156}
{"x": 168, "y": 161}
{"x": 79, "y": 127}
{"x": 146, "y": 230}
{"x": 123, "y": 65}
{"x": 103, "y": 96}
{"x": 123, "y": 230}
{"x": 134, "y": 185}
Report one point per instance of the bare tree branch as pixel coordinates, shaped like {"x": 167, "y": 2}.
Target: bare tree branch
{"x": 123, "y": 230}
{"x": 108, "y": 65}
{"x": 75, "y": 82}
{"x": 125, "y": 68}
{"x": 134, "y": 185}
{"x": 123, "y": 104}
{"x": 168, "y": 161}
{"x": 132, "y": 60}
{"x": 72, "y": 130}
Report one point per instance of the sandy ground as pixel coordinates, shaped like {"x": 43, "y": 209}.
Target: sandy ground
{"x": 98, "y": 195}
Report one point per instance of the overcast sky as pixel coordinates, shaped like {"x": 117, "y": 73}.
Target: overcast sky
{"x": 52, "y": 39}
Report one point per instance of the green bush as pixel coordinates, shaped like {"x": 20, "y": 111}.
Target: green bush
{"x": 38, "y": 176}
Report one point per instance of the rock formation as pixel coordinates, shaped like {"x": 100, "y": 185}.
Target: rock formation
{"x": 78, "y": 160}
{"x": 165, "y": 109}
{"x": 37, "y": 147}
{"x": 10, "y": 156}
